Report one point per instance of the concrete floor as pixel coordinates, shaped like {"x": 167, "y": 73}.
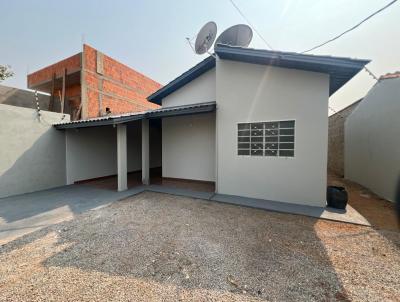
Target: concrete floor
{"x": 135, "y": 180}
{"x": 26, "y": 213}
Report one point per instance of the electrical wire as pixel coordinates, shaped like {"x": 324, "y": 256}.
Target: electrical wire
{"x": 249, "y": 23}
{"x": 352, "y": 28}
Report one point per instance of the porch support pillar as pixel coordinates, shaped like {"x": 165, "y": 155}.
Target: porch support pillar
{"x": 122, "y": 157}
{"x": 145, "y": 152}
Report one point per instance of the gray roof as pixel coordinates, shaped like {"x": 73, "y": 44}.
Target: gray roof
{"x": 130, "y": 117}
{"x": 340, "y": 69}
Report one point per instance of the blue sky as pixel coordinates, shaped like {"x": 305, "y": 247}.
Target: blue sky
{"x": 150, "y": 35}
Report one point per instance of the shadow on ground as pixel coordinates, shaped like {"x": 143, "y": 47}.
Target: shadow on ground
{"x": 380, "y": 213}
{"x": 197, "y": 247}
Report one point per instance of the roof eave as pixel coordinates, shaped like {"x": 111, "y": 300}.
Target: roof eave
{"x": 152, "y": 114}
{"x": 182, "y": 80}
{"x": 345, "y": 68}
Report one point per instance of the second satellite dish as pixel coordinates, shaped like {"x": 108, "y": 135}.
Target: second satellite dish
{"x": 237, "y": 35}
{"x": 205, "y": 38}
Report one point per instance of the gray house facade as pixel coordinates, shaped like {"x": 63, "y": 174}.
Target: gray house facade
{"x": 252, "y": 122}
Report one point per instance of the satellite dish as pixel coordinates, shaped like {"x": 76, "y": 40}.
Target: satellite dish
{"x": 237, "y": 35}
{"x": 205, "y": 38}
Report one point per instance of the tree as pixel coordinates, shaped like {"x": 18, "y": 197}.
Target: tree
{"x": 5, "y": 72}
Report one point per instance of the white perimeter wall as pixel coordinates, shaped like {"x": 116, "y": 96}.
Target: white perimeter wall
{"x": 92, "y": 152}
{"x": 188, "y": 147}
{"x": 250, "y": 93}
{"x": 372, "y": 140}
{"x": 32, "y": 153}
{"x": 200, "y": 90}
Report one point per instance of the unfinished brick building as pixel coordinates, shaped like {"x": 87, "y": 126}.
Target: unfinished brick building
{"x": 91, "y": 84}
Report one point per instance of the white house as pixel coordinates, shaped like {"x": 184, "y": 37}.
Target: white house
{"x": 372, "y": 139}
{"x": 254, "y": 122}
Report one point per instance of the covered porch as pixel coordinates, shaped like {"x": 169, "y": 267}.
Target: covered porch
{"x": 123, "y": 152}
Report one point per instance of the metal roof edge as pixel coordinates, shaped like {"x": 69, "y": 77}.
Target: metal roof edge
{"x": 151, "y": 114}
{"x": 278, "y": 55}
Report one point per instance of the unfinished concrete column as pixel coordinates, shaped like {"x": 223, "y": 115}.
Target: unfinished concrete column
{"x": 122, "y": 158}
{"x": 145, "y": 152}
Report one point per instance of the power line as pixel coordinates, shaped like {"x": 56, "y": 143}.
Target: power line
{"x": 352, "y": 28}
{"x": 251, "y": 25}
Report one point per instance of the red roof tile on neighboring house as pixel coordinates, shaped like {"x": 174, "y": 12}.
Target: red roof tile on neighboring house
{"x": 393, "y": 75}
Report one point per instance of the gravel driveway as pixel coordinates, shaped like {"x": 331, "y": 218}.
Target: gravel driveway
{"x": 158, "y": 247}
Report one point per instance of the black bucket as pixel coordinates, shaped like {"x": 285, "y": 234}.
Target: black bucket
{"x": 336, "y": 197}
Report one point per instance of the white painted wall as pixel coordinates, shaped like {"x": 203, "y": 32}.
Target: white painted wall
{"x": 200, "y": 90}
{"x": 92, "y": 152}
{"x": 32, "y": 153}
{"x": 249, "y": 93}
{"x": 188, "y": 147}
{"x": 372, "y": 140}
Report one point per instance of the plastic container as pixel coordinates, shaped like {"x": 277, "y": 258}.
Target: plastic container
{"x": 336, "y": 197}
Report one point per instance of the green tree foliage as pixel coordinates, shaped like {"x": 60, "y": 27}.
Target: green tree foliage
{"x": 5, "y": 72}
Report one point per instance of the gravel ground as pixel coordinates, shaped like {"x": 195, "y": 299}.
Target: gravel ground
{"x": 158, "y": 247}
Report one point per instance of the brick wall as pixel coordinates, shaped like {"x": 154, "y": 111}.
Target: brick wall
{"x": 37, "y": 79}
{"x": 113, "y": 85}
{"x": 336, "y": 140}
{"x": 97, "y": 82}
{"x": 72, "y": 63}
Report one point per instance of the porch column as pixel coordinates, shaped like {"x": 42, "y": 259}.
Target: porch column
{"x": 145, "y": 152}
{"x": 122, "y": 158}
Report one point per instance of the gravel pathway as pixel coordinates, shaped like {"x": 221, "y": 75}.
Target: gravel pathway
{"x": 159, "y": 247}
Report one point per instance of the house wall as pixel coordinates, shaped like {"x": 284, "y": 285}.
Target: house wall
{"x": 336, "y": 140}
{"x": 22, "y": 98}
{"x": 188, "y": 147}
{"x": 92, "y": 152}
{"x": 32, "y": 153}
{"x": 109, "y": 83}
{"x": 248, "y": 93}
{"x": 200, "y": 90}
{"x": 372, "y": 140}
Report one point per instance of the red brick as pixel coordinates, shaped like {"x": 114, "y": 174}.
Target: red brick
{"x": 123, "y": 90}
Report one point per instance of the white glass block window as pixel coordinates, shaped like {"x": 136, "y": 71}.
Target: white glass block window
{"x": 266, "y": 138}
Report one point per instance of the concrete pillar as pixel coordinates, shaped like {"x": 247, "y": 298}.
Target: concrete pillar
{"x": 122, "y": 158}
{"x": 145, "y": 152}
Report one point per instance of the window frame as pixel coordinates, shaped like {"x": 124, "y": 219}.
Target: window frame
{"x": 264, "y": 142}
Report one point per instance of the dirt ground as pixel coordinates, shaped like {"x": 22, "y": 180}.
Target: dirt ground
{"x": 158, "y": 247}
{"x": 378, "y": 211}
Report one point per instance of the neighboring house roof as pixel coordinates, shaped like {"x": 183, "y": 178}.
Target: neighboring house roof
{"x": 340, "y": 70}
{"x": 393, "y": 75}
{"x": 129, "y": 117}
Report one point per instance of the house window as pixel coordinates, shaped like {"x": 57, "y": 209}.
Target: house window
{"x": 266, "y": 139}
